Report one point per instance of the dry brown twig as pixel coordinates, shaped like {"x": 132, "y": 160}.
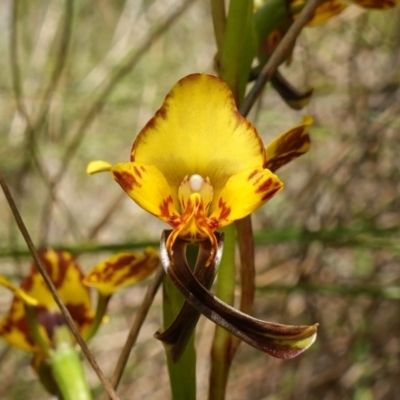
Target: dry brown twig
{"x": 278, "y": 57}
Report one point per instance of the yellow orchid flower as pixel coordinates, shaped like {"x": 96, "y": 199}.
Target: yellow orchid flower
{"x": 34, "y": 298}
{"x": 197, "y": 164}
{"x": 67, "y": 278}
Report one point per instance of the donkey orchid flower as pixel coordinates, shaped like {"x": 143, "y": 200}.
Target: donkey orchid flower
{"x": 34, "y": 304}
{"x": 197, "y": 164}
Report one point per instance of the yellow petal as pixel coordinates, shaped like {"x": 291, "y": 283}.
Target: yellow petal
{"x": 18, "y": 292}
{"x": 198, "y": 130}
{"x": 97, "y": 166}
{"x": 13, "y": 327}
{"x": 243, "y": 194}
{"x": 376, "y": 4}
{"x": 289, "y": 145}
{"x": 121, "y": 270}
{"x": 67, "y": 278}
{"x": 148, "y": 187}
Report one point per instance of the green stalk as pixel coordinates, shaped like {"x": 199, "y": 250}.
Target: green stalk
{"x": 236, "y": 55}
{"x": 239, "y": 47}
{"x": 67, "y": 368}
{"x": 225, "y": 289}
{"x": 219, "y": 21}
{"x": 34, "y": 330}
{"x": 182, "y": 375}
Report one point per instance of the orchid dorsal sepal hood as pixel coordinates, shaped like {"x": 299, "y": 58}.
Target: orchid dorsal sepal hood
{"x": 198, "y": 164}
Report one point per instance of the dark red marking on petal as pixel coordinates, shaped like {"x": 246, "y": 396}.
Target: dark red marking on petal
{"x": 270, "y": 194}
{"x": 56, "y": 271}
{"x": 165, "y": 212}
{"x": 20, "y": 325}
{"x": 289, "y": 147}
{"x": 80, "y": 314}
{"x": 126, "y": 180}
{"x": 225, "y": 210}
{"x": 264, "y": 186}
{"x": 253, "y": 174}
{"x": 293, "y": 141}
{"x": 137, "y": 172}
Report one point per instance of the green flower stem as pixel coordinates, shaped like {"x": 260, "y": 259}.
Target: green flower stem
{"x": 67, "y": 368}
{"x": 236, "y": 55}
{"x": 225, "y": 289}
{"x": 182, "y": 375}
{"x": 102, "y": 303}
{"x": 34, "y": 330}
{"x": 219, "y": 21}
{"x": 238, "y": 48}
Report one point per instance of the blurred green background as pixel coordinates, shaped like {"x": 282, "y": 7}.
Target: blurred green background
{"x": 328, "y": 246}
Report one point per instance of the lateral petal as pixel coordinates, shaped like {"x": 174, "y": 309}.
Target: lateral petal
{"x": 147, "y": 186}
{"x": 13, "y": 326}
{"x": 121, "y": 270}
{"x": 243, "y": 194}
{"x": 18, "y": 292}
{"x": 289, "y": 145}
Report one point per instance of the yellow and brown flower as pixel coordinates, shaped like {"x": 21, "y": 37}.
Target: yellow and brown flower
{"x": 72, "y": 287}
{"x": 198, "y": 164}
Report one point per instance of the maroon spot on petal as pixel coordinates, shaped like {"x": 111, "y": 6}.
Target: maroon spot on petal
{"x": 80, "y": 314}
{"x": 275, "y": 163}
{"x": 164, "y": 207}
{"x": 252, "y": 175}
{"x": 19, "y": 324}
{"x": 225, "y": 210}
{"x": 264, "y": 186}
{"x": 270, "y": 194}
{"x": 137, "y": 172}
{"x": 126, "y": 180}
